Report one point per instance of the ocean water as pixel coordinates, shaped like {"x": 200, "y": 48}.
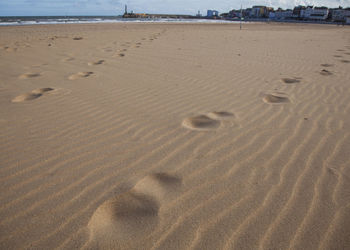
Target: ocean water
{"x": 37, "y": 20}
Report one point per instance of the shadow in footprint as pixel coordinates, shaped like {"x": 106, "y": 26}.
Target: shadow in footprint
{"x": 200, "y": 122}
{"x": 32, "y": 95}
{"x": 276, "y": 98}
{"x": 99, "y": 62}
{"x": 291, "y": 80}
{"x": 325, "y": 72}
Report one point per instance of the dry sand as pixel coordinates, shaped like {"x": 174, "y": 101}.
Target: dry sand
{"x": 175, "y": 136}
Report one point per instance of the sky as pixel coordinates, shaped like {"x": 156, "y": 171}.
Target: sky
{"x": 116, "y": 7}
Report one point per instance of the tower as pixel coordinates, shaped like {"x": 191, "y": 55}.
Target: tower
{"x": 126, "y": 9}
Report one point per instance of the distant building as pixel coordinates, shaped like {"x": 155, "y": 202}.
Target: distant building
{"x": 339, "y": 15}
{"x": 297, "y": 11}
{"x": 347, "y": 20}
{"x": 259, "y": 12}
{"x": 234, "y": 13}
{"x": 314, "y": 13}
{"x": 281, "y": 14}
{"x": 212, "y": 13}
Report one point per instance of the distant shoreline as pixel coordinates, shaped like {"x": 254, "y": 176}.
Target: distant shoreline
{"x": 40, "y": 20}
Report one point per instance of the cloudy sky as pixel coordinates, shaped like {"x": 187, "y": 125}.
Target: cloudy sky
{"x": 116, "y": 7}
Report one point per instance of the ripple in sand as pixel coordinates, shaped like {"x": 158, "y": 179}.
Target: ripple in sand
{"x": 68, "y": 59}
{"x": 291, "y": 80}
{"x": 221, "y": 115}
{"x": 108, "y": 49}
{"x": 132, "y": 214}
{"x": 80, "y": 75}
{"x": 345, "y": 61}
{"x": 327, "y": 65}
{"x": 337, "y": 56}
{"x": 29, "y": 75}
{"x": 32, "y": 95}
{"x": 276, "y": 98}
{"x": 158, "y": 185}
{"x": 99, "y": 62}
{"x": 200, "y": 122}
{"x": 325, "y": 72}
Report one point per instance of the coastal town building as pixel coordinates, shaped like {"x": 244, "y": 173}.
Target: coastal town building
{"x": 212, "y": 13}
{"x": 297, "y": 11}
{"x": 281, "y": 14}
{"x": 259, "y": 12}
{"x": 314, "y": 13}
{"x": 339, "y": 15}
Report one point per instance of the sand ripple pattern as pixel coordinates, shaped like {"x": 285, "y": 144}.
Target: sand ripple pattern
{"x": 191, "y": 141}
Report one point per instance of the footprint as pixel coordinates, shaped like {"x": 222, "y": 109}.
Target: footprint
{"x": 345, "y": 61}
{"x": 347, "y": 53}
{"x": 42, "y": 90}
{"x": 201, "y": 122}
{"x": 9, "y": 49}
{"x": 276, "y": 98}
{"x": 121, "y": 221}
{"x": 77, "y": 38}
{"x": 121, "y": 54}
{"x": 325, "y": 72}
{"x": 29, "y": 75}
{"x": 80, "y": 75}
{"x": 291, "y": 80}
{"x": 96, "y": 62}
{"x": 338, "y": 56}
{"x": 327, "y": 65}
{"x": 32, "y": 95}
{"x": 340, "y": 50}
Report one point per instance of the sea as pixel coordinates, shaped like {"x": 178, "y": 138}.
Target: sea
{"x": 37, "y": 20}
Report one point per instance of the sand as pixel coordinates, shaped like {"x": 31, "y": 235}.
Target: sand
{"x": 175, "y": 136}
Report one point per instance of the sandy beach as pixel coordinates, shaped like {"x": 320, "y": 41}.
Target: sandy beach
{"x": 175, "y": 136}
